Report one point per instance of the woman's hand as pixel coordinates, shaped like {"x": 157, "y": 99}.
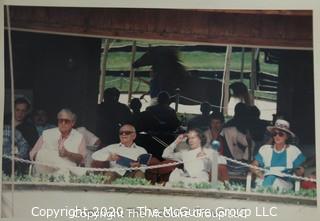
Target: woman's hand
{"x": 180, "y": 138}
{"x": 299, "y": 171}
{"x": 257, "y": 172}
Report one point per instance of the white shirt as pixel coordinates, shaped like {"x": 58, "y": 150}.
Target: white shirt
{"x": 89, "y": 137}
{"x": 234, "y": 139}
{"x": 132, "y": 152}
{"x": 170, "y": 153}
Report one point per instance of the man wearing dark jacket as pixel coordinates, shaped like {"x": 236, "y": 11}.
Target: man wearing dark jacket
{"x": 27, "y": 130}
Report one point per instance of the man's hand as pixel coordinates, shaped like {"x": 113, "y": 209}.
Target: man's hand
{"x": 63, "y": 152}
{"x": 113, "y": 157}
{"x": 135, "y": 164}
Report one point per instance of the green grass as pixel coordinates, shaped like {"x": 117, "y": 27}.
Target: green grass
{"x": 121, "y": 61}
{"x": 122, "y": 83}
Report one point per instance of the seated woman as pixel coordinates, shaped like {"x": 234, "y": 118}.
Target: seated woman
{"x": 279, "y": 158}
{"x": 197, "y": 159}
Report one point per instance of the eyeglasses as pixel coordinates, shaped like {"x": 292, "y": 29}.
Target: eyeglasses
{"x": 64, "y": 121}
{"x": 281, "y": 134}
{"x": 125, "y": 132}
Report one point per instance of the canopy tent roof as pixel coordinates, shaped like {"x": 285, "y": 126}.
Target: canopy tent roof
{"x": 263, "y": 28}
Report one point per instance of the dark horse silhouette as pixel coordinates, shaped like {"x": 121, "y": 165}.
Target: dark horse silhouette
{"x": 169, "y": 74}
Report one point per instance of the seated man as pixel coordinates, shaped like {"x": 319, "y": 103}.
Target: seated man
{"x": 40, "y": 121}
{"x": 61, "y": 146}
{"x": 21, "y": 151}
{"x": 216, "y": 122}
{"x": 21, "y": 109}
{"x": 126, "y": 148}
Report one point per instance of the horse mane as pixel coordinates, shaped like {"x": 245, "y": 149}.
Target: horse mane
{"x": 167, "y": 58}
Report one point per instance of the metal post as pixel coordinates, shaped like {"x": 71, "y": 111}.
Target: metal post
{"x": 177, "y": 99}
{"x": 242, "y": 64}
{"x": 248, "y": 182}
{"x": 253, "y": 82}
{"x": 214, "y": 165}
{"x": 226, "y": 79}
{"x": 104, "y": 56}
{"x": 132, "y": 71}
{"x": 2, "y": 80}
{"x": 297, "y": 185}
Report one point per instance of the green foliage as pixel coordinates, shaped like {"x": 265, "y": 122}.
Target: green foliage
{"x": 132, "y": 181}
{"x": 310, "y": 193}
{"x": 89, "y": 179}
{"x": 100, "y": 179}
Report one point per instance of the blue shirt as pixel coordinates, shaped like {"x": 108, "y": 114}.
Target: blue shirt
{"x": 284, "y": 161}
{"x": 20, "y": 142}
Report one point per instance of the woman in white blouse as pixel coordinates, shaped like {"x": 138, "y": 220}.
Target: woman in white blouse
{"x": 197, "y": 159}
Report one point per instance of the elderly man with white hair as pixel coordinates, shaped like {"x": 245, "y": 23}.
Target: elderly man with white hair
{"x": 62, "y": 146}
{"x": 115, "y": 153}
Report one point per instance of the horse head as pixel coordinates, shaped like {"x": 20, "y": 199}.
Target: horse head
{"x": 157, "y": 57}
{"x": 168, "y": 74}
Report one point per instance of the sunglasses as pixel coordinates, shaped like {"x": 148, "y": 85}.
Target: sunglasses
{"x": 64, "y": 121}
{"x": 280, "y": 134}
{"x": 126, "y": 132}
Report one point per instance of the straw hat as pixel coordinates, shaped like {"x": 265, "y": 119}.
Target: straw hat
{"x": 281, "y": 125}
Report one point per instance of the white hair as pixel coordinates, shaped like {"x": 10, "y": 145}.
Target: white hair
{"x": 68, "y": 112}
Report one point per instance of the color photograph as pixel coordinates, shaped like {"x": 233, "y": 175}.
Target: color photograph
{"x": 149, "y": 110}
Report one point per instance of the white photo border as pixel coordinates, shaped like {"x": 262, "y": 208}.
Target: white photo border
{"x": 313, "y": 5}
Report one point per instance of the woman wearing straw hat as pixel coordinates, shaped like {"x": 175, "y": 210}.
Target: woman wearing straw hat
{"x": 278, "y": 158}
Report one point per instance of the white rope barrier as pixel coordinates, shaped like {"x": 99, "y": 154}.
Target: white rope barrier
{"x": 197, "y": 101}
{"x": 266, "y": 170}
{"x": 144, "y": 167}
{"x": 153, "y": 167}
{"x": 160, "y": 141}
{"x": 108, "y": 82}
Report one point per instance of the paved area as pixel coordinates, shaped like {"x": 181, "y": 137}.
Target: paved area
{"x": 267, "y": 108}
